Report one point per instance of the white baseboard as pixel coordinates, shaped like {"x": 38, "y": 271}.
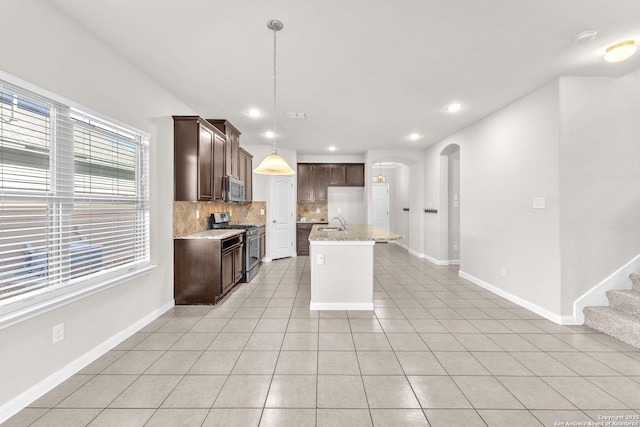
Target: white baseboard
{"x": 454, "y": 262}
{"x": 341, "y": 306}
{"x": 416, "y": 254}
{"x": 402, "y": 245}
{"x": 21, "y": 401}
{"x": 436, "y": 261}
{"x": 265, "y": 259}
{"x": 597, "y": 296}
{"x": 556, "y": 318}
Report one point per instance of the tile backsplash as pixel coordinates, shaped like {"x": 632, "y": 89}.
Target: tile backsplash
{"x": 309, "y": 211}
{"x": 185, "y": 221}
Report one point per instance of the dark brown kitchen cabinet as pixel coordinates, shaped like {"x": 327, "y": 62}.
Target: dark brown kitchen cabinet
{"x": 263, "y": 241}
{"x": 246, "y": 173}
{"x": 206, "y": 269}
{"x": 231, "y": 148}
{"x": 346, "y": 175}
{"x": 355, "y": 175}
{"x": 196, "y": 168}
{"x": 313, "y": 180}
{"x": 302, "y": 237}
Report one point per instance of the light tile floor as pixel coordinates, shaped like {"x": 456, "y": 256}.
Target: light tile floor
{"x": 438, "y": 351}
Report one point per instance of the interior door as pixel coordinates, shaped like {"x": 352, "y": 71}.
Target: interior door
{"x": 281, "y": 211}
{"x": 380, "y": 200}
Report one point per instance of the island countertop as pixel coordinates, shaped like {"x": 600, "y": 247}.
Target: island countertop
{"x": 211, "y": 234}
{"x": 356, "y": 232}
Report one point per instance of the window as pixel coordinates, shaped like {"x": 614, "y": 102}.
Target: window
{"x": 74, "y": 199}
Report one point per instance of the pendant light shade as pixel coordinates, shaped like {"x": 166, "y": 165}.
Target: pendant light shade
{"x": 274, "y": 164}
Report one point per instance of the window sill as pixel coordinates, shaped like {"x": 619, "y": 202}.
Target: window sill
{"x": 24, "y": 309}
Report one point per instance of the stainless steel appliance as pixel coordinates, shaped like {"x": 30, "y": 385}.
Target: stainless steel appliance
{"x": 251, "y": 255}
{"x": 233, "y": 189}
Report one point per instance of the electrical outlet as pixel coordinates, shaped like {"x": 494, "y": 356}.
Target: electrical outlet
{"x": 317, "y": 210}
{"x": 339, "y": 210}
{"x": 58, "y": 333}
{"x": 538, "y": 203}
{"x": 261, "y": 211}
{"x": 503, "y": 272}
{"x": 198, "y": 214}
{"x": 320, "y": 259}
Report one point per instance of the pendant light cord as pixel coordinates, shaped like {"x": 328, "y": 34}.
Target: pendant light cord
{"x": 275, "y": 151}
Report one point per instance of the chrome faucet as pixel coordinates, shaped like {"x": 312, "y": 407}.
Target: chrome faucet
{"x": 343, "y": 222}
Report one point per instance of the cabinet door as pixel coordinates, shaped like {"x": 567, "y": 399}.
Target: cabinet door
{"x": 218, "y": 168}
{"x": 238, "y": 264}
{"x": 205, "y": 163}
{"x": 242, "y": 174}
{"x": 302, "y": 239}
{"x": 248, "y": 179}
{"x": 320, "y": 182}
{"x": 305, "y": 189}
{"x": 228, "y": 273}
{"x": 355, "y": 175}
{"x": 337, "y": 175}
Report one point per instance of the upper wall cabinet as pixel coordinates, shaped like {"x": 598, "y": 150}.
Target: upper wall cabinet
{"x": 313, "y": 180}
{"x": 198, "y": 148}
{"x": 232, "y": 146}
{"x": 246, "y": 173}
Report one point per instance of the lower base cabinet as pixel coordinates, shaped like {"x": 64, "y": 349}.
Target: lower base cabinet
{"x": 204, "y": 270}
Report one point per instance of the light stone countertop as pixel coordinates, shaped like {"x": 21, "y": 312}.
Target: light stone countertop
{"x": 356, "y": 232}
{"x": 211, "y": 234}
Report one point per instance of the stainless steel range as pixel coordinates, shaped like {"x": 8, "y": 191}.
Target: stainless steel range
{"x": 221, "y": 220}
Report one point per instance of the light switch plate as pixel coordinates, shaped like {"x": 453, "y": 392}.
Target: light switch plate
{"x": 261, "y": 211}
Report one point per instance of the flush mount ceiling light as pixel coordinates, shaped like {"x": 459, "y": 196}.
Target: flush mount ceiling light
{"x": 254, "y": 112}
{"x": 269, "y": 134}
{"x": 414, "y": 136}
{"x": 274, "y": 164}
{"x": 332, "y": 148}
{"x": 584, "y": 36}
{"x": 454, "y": 107}
{"x": 620, "y": 51}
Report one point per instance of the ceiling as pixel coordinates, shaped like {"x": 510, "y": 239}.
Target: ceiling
{"x": 366, "y": 72}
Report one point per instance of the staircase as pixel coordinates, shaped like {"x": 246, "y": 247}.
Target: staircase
{"x": 621, "y": 319}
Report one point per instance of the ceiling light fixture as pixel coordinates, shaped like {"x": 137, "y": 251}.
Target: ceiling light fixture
{"x": 380, "y": 177}
{"x": 269, "y": 134}
{"x": 414, "y": 136}
{"x": 453, "y": 107}
{"x": 254, "y": 112}
{"x": 332, "y": 148}
{"x": 274, "y": 164}
{"x": 584, "y": 36}
{"x": 620, "y": 51}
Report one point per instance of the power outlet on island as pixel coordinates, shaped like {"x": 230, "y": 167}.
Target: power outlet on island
{"x": 320, "y": 259}
{"x": 503, "y": 272}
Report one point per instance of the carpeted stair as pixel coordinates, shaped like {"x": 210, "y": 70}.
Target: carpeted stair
{"x": 621, "y": 319}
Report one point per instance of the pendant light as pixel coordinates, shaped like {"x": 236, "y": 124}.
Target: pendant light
{"x": 380, "y": 177}
{"x": 274, "y": 164}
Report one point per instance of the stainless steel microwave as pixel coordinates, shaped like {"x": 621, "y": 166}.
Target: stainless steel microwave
{"x": 233, "y": 189}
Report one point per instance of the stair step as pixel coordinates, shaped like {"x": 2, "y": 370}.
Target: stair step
{"x": 625, "y": 300}
{"x": 623, "y": 326}
{"x": 635, "y": 280}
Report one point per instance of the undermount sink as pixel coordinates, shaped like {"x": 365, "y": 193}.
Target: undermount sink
{"x": 329, "y": 229}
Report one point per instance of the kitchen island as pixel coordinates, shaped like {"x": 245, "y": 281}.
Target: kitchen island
{"x": 342, "y": 266}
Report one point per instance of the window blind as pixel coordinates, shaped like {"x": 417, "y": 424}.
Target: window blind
{"x": 74, "y": 199}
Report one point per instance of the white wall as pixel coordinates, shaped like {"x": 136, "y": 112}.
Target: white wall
{"x": 506, "y": 160}
{"x": 56, "y": 54}
{"x": 349, "y": 201}
{"x": 600, "y": 179}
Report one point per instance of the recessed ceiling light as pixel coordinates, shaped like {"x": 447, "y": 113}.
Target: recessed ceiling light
{"x": 584, "y": 36}
{"x": 620, "y": 51}
{"x": 454, "y": 107}
{"x": 332, "y": 148}
{"x": 269, "y": 134}
{"x": 414, "y": 136}
{"x": 254, "y": 112}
